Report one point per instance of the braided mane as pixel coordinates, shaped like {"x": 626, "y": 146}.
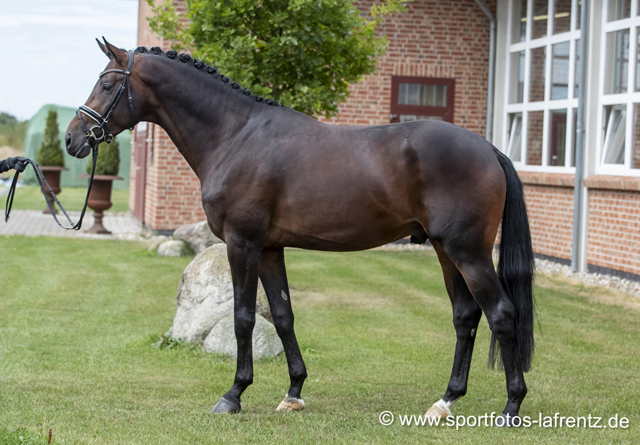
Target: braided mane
{"x": 212, "y": 70}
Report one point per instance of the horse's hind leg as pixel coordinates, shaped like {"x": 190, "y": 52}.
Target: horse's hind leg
{"x": 274, "y": 279}
{"x": 466, "y": 316}
{"x": 481, "y": 278}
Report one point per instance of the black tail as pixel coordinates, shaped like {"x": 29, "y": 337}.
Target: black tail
{"x": 516, "y": 265}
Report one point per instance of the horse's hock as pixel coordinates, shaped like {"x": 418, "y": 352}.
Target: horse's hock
{"x": 205, "y": 298}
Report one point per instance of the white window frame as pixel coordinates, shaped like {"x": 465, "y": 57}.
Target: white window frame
{"x": 547, "y": 105}
{"x": 628, "y": 99}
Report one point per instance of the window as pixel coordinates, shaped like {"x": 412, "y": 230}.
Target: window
{"x": 541, "y": 84}
{"x": 417, "y": 98}
{"x": 514, "y": 147}
{"x": 619, "y": 112}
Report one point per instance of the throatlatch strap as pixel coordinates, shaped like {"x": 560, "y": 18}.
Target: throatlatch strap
{"x": 42, "y": 182}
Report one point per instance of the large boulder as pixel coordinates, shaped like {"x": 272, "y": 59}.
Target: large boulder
{"x": 205, "y": 296}
{"x": 222, "y": 339}
{"x": 197, "y": 235}
{"x": 174, "y": 248}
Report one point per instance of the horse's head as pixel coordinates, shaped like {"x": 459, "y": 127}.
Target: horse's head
{"x": 110, "y": 108}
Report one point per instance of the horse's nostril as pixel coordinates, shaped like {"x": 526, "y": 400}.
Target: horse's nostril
{"x": 68, "y": 139}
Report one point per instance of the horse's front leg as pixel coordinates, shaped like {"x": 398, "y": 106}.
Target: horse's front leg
{"x": 244, "y": 259}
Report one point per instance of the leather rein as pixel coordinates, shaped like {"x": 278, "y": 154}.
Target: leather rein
{"x": 101, "y": 120}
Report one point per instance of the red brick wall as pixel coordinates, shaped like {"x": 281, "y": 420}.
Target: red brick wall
{"x": 549, "y": 198}
{"x": 614, "y": 223}
{"x": 173, "y": 189}
{"x": 614, "y": 218}
{"x": 172, "y": 196}
{"x": 434, "y": 38}
{"x": 534, "y": 137}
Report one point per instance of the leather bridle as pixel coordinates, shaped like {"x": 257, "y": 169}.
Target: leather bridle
{"x": 103, "y": 119}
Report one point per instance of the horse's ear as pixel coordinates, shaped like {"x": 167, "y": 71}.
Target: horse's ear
{"x": 116, "y": 53}
{"x": 104, "y": 49}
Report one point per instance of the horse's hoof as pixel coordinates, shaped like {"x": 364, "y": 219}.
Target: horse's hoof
{"x": 225, "y": 406}
{"x": 504, "y": 421}
{"x": 291, "y": 404}
{"x": 438, "y": 411}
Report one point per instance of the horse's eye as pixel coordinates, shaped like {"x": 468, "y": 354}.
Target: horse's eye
{"x": 106, "y": 87}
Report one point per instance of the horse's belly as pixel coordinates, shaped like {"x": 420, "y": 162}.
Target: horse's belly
{"x": 341, "y": 230}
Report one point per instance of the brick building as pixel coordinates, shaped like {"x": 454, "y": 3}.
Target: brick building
{"x": 437, "y": 67}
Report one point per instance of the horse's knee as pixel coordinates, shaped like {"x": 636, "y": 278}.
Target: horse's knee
{"x": 244, "y": 322}
{"x": 283, "y": 321}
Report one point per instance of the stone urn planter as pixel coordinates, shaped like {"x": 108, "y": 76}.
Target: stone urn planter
{"x": 52, "y": 175}
{"x": 100, "y": 200}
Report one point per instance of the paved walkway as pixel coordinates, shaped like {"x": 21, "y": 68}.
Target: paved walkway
{"x": 36, "y": 223}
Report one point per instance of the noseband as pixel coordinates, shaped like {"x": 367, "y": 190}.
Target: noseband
{"x": 103, "y": 119}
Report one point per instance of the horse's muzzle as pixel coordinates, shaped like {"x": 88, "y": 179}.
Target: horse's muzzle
{"x": 84, "y": 151}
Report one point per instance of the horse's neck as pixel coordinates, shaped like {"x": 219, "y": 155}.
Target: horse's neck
{"x": 200, "y": 114}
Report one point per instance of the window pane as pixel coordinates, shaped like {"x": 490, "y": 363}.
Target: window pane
{"x": 617, "y": 62}
{"x": 536, "y": 82}
{"x": 615, "y": 124}
{"x": 635, "y": 156}
{"x": 557, "y": 137}
{"x": 560, "y": 71}
{"x": 421, "y": 94}
{"x": 579, "y": 14}
{"x": 514, "y": 145}
{"x": 516, "y": 90}
{"x": 618, "y": 9}
{"x": 562, "y": 16}
{"x": 519, "y": 28}
{"x": 540, "y": 14}
{"x": 534, "y": 138}
{"x": 415, "y": 117}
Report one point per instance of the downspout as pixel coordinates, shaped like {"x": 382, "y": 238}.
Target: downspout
{"x": 492, "y": 64}
{"x": 577, "y": 188}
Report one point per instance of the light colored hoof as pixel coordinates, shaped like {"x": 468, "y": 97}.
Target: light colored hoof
{"x": 438, "y": 412}
{"x": 291, "y": 404}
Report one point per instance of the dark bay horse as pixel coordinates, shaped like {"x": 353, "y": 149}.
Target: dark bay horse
{"x": 273, "y": 178}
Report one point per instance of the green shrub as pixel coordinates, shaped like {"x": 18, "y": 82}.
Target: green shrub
{"x": 12, "y": 131}
{"x": 50, "y": 153}
{"x": 108, "y": 159}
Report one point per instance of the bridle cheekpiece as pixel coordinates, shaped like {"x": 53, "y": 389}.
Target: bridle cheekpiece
{"x": 103, "y": 119}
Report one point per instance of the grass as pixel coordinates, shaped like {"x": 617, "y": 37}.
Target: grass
{"x": 78, "y": 318}
{"x": 31, "y": 198}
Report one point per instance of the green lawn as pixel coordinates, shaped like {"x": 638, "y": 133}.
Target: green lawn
{"x": 77, "y": 320}
{"x": 31, "y": 198}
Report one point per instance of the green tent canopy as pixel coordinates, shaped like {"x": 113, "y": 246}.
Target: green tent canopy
{"x": 35, "y": 134}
